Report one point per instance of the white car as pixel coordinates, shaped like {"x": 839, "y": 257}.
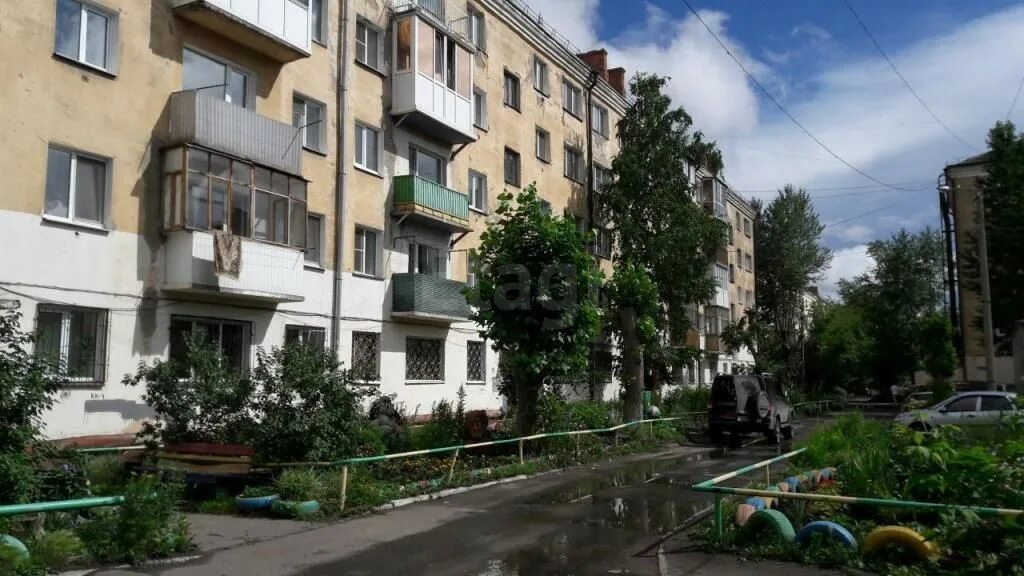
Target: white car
{"x": 963, "y": 409}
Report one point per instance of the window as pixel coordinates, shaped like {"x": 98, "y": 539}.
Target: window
{"x": 279, "y": 213}
{"x": 368, "y": 45}
{"x": 716, "y": 318}
{"x": 545, "y": 206}
{"x": 314, "y": 239}
{"x": 428, "y": 260}
{"x": 476, "y": 362}
{"x": 746, "y": 227}
{"x": 76, "y": 186}
{"x": 511, "y": 167}
{"x": 367, "y": 151}
{"x": 318, "y": 21}
{"x": 74, "y": 337}
{"x": 479, "y": 108}
{"x": 86, "y": 33}
{"x": 311, "y": 336}
{"x": 721, "y": 274}
{"x": 732, "y": 312}
{"x": 572, "y": 99}
{"x": 403, "y": 45}
{"x": 477, "y": 191}
{"x": 366, "y": 252}
{"x": 424, "y": 360}
{"x": 427, "y": 166}
{"x": 599, "y": 120}
{"x": 574, "y": 168}
{"x": 963, "y": 404}
{"x": 750, "y": 299}
{"x": 732, "y": 273}
{"x": 602, "y": 176}
{"x": 215, "y": 79}
{"x": 603, "y": 245}
{"x": 543, "y": 145}
{"x": 472, "y": 263}
{"x": 308, "y": 115}
{"x": 477, "y": 30}
{"x": 996, "y": 404}
{"x": 366, "y": 356}
{"x": 231, "y": 337}
{"x": 732, "y": 239}
{"x": 540, "y": 76}
{"x": 738, "y": 224}
{"x": 511, "y": 90}
{"x": 748, "y": 262}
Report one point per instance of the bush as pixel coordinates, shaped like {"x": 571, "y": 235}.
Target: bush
{"x": 444, "y": 429}
{"x": 105, "y": 474}
{"x": 300, "y": 485}
{"x": 681, "y": 400}
{"x": 145, "y": 526}
{"x": 56, "y": 550}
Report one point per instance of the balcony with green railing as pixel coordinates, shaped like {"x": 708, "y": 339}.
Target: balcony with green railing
{"x": 431, "y": 202}
{"x": 426, "y": 298}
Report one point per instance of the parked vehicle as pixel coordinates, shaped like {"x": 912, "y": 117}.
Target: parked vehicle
{"x": 745, "y": 404}
{"x": 963, "y": 409}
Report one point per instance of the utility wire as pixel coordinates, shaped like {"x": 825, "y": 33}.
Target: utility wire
{"x": 866, "y": 188}
{"x": 868, "y": 213}
{"x": 921, "y": 101}
{"x": 1013, "y": 104}
{"x": 781, "y": 107}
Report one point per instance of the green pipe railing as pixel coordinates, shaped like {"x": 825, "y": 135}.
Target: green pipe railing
{"x": 59, "y": 506}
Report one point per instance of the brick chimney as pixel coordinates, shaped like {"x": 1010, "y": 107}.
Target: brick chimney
{"x": 617, "y": 79}
{"x": 598, "y": 60}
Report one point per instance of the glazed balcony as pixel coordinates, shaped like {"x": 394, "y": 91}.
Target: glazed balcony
{"x": 278, "y": 29}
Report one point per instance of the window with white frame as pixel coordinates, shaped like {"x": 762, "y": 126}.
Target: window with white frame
{"x": 603, "y": 244}
{"x": 721, "y": 274}
{"x": 215, "y": 79}
{"x": 477, "y": 27}
{"x": 279, "y": 206}
{"x": 599, "y": 119}
{"x": 424, "y": 360}
{"x": 428, "y": 260}
{"x": 366, "y": 356}
{"x": 87, "y": 33}
{"x": 510, "y": 93}
{"x": 76, "y": 338}
{"x": 602, "y": 176}
{"x": 750, "y": 299}
{"x": 746, "y": 227}
{"x": 477, "y": 191}
{"x": 367, "y": 147}
{"x": 369, "y": 48}
{"x": 479, "y": 108}
{"x": 574, "y": 168}
{"x": 366, "y": 251}
{"x": 314, "y": 239}
{"x": 543, "y": 145}
{"x": 748, "y": 262}
{"x": 572, "y": 99}
{"x": 427, "y": 165}
{"x": 512, "y": 167}
{"x": 472, "y": 265}
{"x": 540, "y": 76}
{"x": 318, "y": 21}
{"x": 308, "y": 116}
{"x": 476, "y": 362}
{"x": 311, "y": 336}
{"x": 76, "y": 186}
{"x": 232, "y": 338}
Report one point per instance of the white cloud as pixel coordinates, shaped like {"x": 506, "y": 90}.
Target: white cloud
{"x": 575, "y": 19}
{"x": 846, "y": 264}
{"x": 811, "y": 30}
{"x": 857, "y": 233}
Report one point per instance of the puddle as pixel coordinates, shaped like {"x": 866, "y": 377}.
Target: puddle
{"x": 654, "y": 471}
{"x": 644, "y": 515}
{"x": 578, "y": 550}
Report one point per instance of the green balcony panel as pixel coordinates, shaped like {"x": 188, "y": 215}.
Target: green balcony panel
{"x": 427, "y": 200}
{"x": 428, "y": 298}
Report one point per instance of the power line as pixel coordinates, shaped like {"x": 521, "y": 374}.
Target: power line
{"x": 1015, "y": 96}
{"x": 867, "y": 188}
{"x": 868, "y": 213}
{"x": 905, "y": 82}
{"x": 780, "y": 106}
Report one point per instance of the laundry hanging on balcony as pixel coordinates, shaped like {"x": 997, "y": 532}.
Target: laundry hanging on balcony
{"x": 227, "y": 254}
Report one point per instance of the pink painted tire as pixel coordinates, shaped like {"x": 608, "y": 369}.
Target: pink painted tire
{"x": 743, "y": 513}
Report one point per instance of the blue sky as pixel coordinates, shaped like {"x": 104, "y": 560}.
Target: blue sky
{"x": 965, "y": 58}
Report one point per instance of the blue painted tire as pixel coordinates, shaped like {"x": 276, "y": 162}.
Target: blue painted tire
{"x": 757, "y": 502}
{"x": 253, "y": 504}
{"x": 17, "y": 545}
{"x": 826, "y": 473}
{"x": 831, "y": 530}
{"x": 794, "y": 483}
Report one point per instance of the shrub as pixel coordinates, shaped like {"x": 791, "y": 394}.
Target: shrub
{"x": 680, "y": 400}
{"x": 300, "y": 484}
{"x": 56, "y": 550}
{"x": 105, "y": 474}
{"x": 444, "y": 429}
{"x": 145, "y": 526}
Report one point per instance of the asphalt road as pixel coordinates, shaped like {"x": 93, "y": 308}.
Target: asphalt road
{"x": 581, "y": 522}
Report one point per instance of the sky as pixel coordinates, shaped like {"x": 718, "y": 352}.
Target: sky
{"x": 963, "y": 58}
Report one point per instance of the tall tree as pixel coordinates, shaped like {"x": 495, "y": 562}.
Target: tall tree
{"x": 535, "y": 296}
{"x": 789, "y": 257}
{"x": 1004, "y": 223}
{"x": 660, "y": 231}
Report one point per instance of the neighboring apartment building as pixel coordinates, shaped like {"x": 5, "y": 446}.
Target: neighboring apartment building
{"x": 138, "y": 131}
{"x": 964, "y": 180}
{"x": 741, "y": 270}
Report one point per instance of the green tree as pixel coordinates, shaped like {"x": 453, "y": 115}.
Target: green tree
{"x": 1004, "y": 224}
{"x": 840, "y": 348}
{"x": 789, "y": 256}
{"x": 659, "y": 230}
{"x": 757, "y": 336}
{"x": 536, "y": 286}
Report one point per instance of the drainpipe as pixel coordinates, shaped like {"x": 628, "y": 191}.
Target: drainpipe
{"x": 592, "y": 82}
{"x": 947, "y": 230}
{"x": 342, "y": 175}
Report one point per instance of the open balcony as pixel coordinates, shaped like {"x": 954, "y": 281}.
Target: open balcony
{"x": 278, "y": 29}
{"x": 428, "y": 299}
{"x": 431, "y": 203}
{"x": 211, "y": 122}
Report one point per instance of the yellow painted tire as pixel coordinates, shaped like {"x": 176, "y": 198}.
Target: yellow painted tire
{"x": 743, "y": 513}
{"x": 900, "y": 536}
{"x": 783, "y": 486}
{"x": 770, "y": 502}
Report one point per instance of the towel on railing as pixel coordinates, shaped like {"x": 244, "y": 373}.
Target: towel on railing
{"x": 227, "y": 254}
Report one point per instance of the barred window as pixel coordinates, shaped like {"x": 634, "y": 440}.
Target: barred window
{"x": 366, "y": 356}
{"x": 424, "y": 359}
{"x": 76, "y": 338}
{"x": 476, "y": 362}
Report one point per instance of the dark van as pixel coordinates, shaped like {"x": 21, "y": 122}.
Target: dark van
{"x": 745, "y": 404}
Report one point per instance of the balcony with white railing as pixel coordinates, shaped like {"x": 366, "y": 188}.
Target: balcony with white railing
{"x": 279, "y": 29}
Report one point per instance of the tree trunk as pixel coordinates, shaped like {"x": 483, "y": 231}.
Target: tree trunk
{"x": 527, "y": 394}
{"x": 632, "y": 367}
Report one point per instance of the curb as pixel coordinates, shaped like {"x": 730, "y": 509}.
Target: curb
{"x": 158, "y": 562}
